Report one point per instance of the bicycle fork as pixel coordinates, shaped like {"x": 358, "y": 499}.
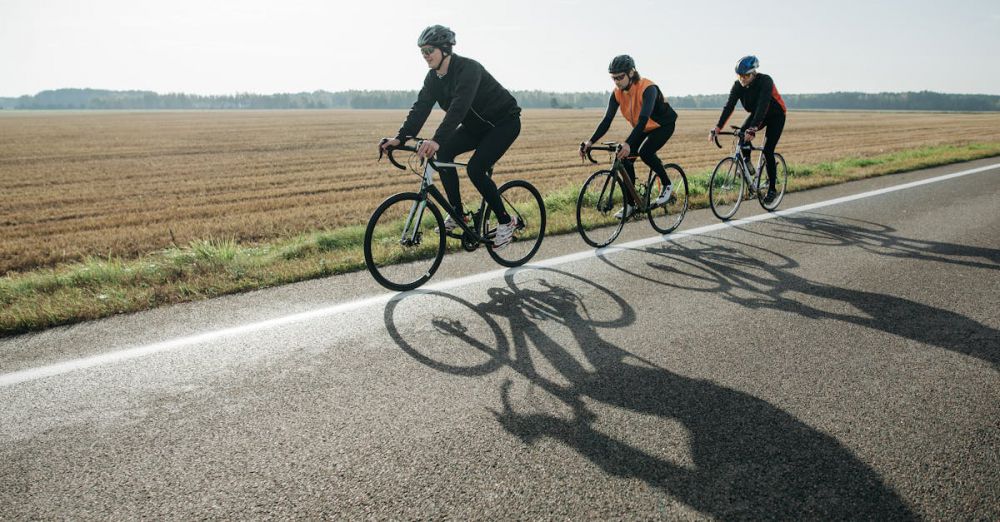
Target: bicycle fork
{"x": 411, "y": 234}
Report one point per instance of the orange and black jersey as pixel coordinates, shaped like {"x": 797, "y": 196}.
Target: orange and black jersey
{"x": 469, "y": 95}
{"x": 760, "y": 98}
{"x": 654, "y": 112}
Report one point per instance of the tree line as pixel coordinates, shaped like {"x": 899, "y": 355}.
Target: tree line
{"x": 96, "y": 99}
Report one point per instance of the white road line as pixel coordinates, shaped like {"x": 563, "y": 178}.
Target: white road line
{"x": 142, "y": 351}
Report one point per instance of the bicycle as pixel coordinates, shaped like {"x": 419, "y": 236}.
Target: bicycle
{"x": 405, "y": 238}
{"x": 604, "y": 193}
{"x": 735, "y": 179}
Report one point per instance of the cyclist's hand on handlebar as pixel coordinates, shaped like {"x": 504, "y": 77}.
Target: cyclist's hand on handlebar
{"x": 713, "y": 133}
{"x": 387, "y": 143}
{"x": 427, "y": 149}
{"x": 584, "y": 147}
{"x": 624, "y": 150}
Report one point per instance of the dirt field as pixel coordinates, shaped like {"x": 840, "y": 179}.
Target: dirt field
{"x": 121, "y": 184}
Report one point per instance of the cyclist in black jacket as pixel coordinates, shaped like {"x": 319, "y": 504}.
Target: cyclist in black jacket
{"x": 758, "y": 95}
{"x": 480, "y": 115}
{"x": 642, "y": 104}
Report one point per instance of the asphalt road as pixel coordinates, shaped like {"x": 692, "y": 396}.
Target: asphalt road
{"x": 837, "y": 362}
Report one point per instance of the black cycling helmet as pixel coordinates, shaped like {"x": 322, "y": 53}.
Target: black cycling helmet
{"x": 437, "y": 36}
{"x": 621, "y": 64}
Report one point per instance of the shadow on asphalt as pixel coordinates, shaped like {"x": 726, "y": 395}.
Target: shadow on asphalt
{"x": 750, "y": 459}
{"x": 759, "y": 278}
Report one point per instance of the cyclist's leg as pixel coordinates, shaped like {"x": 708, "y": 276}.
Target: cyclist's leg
{"x": 629, "y": 166}
{"x": 461, "y": 141}
{"x": 771, "y": 136}
{"x": 746, "y": 152}
{"x": 490, "y": 149}
{"x": 655, "y": 140}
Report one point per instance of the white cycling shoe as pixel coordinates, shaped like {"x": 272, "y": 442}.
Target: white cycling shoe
{"x": 627, "y": 211}
{"x": 664, "y": 196}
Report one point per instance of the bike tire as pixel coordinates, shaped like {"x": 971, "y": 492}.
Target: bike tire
{"x": 725, "y": 188}
{"x": 398, "y": 264}
{"x": 522, "y": 200}
{"x": 780, "y": 181}
{"x": 665, "y": 218}
{"x": 600, "y": 197}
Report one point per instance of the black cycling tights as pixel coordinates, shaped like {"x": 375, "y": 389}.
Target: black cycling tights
{"x": 772, "y": 132}
{"x": 489, "y": 145}
{"x": 646, "y": 149}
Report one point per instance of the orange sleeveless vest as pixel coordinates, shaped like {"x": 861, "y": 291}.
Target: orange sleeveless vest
{"x": 630, "y": 102}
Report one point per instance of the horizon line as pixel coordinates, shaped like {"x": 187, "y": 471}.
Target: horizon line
{"x": 242, "y": 93}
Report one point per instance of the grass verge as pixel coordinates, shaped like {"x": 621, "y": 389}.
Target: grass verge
{"x": 100, "y": 287}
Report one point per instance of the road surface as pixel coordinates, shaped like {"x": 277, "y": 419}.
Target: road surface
{"x": 839, "y": 360}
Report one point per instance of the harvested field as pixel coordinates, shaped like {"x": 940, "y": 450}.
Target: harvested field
{"x": 122, "y": 184}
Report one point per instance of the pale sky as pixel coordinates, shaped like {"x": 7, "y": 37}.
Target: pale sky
{"x": 230, "y": 46}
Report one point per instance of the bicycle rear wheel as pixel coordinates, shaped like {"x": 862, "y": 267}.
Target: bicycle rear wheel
{"x": 523, "y": 202}
{"x": 725, "y": 188}
{"x": 667, "y": 216}
{"x": 600, "y": 198}
{"x": 780, "y": 183}
{"x": 404, "y": 241}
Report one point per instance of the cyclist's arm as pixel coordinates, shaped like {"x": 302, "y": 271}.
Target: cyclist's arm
{"x": 466, "y": 85}
{"x": 727, "y": 110}
{"x": 602, "y": 128}
{"x": 418, "y": 113}
{"x": 763, "y": 100}
{"x": 648, "y": 102}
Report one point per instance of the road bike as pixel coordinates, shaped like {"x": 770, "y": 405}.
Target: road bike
{"x": 406, "y": 238}
{"x": 735, "y": 178}
{"x": 600, "y": 208}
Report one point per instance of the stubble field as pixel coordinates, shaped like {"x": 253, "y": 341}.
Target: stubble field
{"x": 113, "y": 184}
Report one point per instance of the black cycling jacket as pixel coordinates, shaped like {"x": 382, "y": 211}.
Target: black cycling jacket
{"x": 469, "y": 95}
{"x": 653, "y": 107}
{"x": 760, "y": 98}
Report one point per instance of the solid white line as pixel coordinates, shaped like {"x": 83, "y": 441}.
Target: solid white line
{"x": 142, "y": 351}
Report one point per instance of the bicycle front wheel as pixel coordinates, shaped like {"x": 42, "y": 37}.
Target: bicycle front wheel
{"x": 522, "y": 201}
{"x": 780, "y": 183}
{"x": 725, "y": 188}
{"x": 601, "y": 196}
{"x": 666, "y": 216}
{"x": 404, "y": 241}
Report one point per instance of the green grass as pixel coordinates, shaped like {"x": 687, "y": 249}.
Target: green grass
{"x": 100, "y": 287}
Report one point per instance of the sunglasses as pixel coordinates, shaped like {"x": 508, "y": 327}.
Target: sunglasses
{"x": 427, "y": 51}
{"x": 618, "y": 77}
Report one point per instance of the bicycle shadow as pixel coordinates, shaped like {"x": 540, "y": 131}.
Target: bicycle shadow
{"x": 759, "y": 278}
{"x": 822, "y": 229}
{"x": 749, "y": 459}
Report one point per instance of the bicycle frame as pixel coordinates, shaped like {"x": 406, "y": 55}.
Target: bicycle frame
{"x": 427, "y": 188}
{"x": 618, "y": 168}
{"x": 740, "y": 144}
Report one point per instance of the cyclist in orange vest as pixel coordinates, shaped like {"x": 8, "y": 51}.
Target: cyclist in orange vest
{"x": 652, "y": 119}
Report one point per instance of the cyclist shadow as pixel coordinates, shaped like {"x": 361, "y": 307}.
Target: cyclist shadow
{"x": 748, "y": 458}
{"x": 821, "y": 229}
{"x": 759, "y": 278}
